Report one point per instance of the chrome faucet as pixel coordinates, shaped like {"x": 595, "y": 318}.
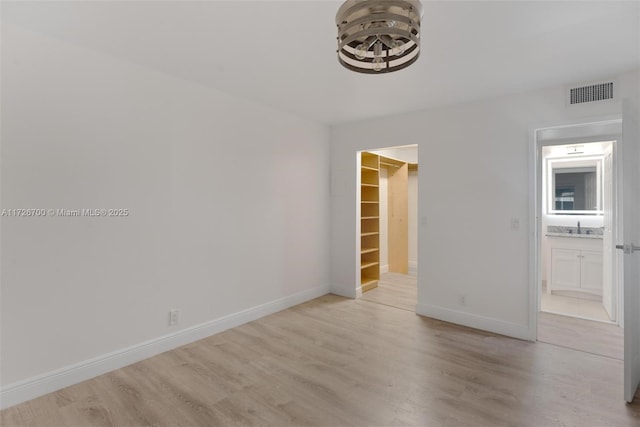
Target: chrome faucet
{"x": 579, "y": 227}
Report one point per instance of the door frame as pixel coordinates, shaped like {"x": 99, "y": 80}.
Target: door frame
{"x": 358, "y": 153}
{"x": 586, "y": 130}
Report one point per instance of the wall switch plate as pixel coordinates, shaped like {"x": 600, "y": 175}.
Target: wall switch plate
{"x": 174, "y": 316}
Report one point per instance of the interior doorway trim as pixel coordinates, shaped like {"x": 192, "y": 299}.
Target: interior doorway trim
{"x": 584, "y": 130}
{"x": 403, "y": 158}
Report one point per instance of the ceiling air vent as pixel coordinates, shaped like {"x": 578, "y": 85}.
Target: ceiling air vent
{"x": 591, "y": 93}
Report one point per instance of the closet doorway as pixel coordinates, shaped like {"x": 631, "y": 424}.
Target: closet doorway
{"x": 388, "y": 236}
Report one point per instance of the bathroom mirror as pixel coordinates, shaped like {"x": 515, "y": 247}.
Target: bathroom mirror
{"x": 574, "y": 186}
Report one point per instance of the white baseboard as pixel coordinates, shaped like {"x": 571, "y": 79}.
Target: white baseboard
{"x": 31, "y": 388}
{"x": 475, "y": 321}
{"x": 349, "y": 291}
{"x": 413, "y": 268}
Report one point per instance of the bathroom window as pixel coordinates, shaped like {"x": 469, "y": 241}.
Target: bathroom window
{"x": 565, "y": 198}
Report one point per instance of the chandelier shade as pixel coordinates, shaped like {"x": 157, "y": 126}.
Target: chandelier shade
{"x": 378, "y": 36}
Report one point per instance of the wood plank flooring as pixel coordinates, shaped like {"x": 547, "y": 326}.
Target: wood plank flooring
{"x": 395, "y": 290}
{"x": 339, "y": 362}
{"x": 604, "y": 339}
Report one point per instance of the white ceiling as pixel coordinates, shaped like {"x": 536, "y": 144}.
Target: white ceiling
{"x": 282, "y": 53}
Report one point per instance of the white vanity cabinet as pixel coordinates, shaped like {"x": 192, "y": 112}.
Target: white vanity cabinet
{"x": 575, "y": 264}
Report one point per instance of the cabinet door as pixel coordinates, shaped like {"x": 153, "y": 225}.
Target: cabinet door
{"x": 591, "y": 271}
{"x": 565, "y": 269}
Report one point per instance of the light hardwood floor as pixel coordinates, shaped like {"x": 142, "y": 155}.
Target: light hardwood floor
{"x": 395, "y": 290}
{"x": 340, "y": 362}
{"x": 604, "y": 339}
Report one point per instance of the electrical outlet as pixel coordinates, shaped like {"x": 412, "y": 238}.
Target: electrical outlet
{"x": 462, "y": 300}
{"x": 515, "y": 224}
{"x": 174, "y": 316}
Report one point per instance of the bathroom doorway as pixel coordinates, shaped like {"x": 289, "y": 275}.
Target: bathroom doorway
{"x": 579, "y": 292}
{"x": 576, "y": 239}
{"x": 388, "y": 234}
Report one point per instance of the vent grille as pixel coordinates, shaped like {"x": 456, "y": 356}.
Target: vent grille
{"x": 597, "y": 92}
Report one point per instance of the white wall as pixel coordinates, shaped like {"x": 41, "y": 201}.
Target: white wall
{"x": 228, "y": 201}
{"x": 636, "y": 227}
{"x": 474, "y": 179}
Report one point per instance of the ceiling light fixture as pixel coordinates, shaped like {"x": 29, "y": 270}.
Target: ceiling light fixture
{"x": 378, "y": 36}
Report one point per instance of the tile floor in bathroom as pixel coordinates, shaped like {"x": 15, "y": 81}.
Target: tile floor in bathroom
{"x": 576, "y": 307}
